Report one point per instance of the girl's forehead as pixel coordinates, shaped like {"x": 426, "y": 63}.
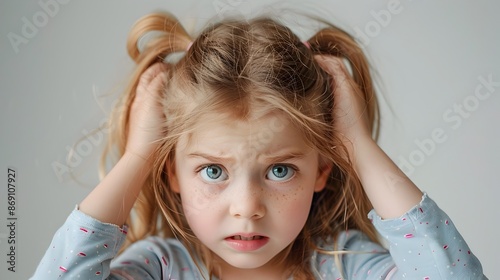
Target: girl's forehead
{"x": 268, "y": 131}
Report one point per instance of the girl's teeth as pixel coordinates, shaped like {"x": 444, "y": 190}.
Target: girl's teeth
{"x": 239, "y": 237}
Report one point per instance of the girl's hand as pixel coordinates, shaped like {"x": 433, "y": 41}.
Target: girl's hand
{"x": 114, "y": 197}
{"x": 349, "y": 112}
{"x": 146, "y": 116}
{"x": 391, "y": 193}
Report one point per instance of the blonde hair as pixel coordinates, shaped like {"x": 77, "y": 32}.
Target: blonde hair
{"x": 237, "y": 67}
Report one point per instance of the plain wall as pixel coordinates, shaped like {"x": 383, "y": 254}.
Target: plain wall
{"x": 57, "y": 82}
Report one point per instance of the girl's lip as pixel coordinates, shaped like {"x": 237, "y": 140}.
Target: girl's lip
{"x": 243, "y": 235}
{"x": 246, "y": 234}
{"x": 245, "y": 242}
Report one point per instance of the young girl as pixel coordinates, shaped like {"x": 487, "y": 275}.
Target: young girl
{"x": 252, "y": 157}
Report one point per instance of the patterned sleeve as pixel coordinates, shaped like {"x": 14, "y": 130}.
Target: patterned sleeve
{"x": 354, "y": 257}
{"x": 82, "y": 248}
{"x": 425, "y": 244}
{"x": 85, "y": 248}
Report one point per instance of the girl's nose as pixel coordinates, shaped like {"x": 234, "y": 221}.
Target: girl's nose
{"x": 247, "y": 201}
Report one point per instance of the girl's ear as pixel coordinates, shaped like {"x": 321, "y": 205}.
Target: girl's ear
{"x": 322, "y": 177}
{"x": 172, "y": 178}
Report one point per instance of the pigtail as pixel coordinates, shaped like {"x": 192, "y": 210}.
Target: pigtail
{"x": 151, "y": 40}
{"x": 168, "y": 36}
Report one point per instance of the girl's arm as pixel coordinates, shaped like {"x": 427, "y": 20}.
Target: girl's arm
{"x": 90, "y": 238}
{"x": 390, "y": 191}
{"x": 423, "y": 242}
{"x": 113, "y": 198}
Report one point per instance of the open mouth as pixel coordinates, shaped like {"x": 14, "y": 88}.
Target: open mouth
{"x": 246, "y": 238}
{"x": 246, "y": 242}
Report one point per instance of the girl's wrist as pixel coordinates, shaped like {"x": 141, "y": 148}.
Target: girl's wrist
{"x": 360, "y": 148}
{"x": 140, "y": 161}
{"x": 355, "y": 142}
{"x": 146, "y": 156}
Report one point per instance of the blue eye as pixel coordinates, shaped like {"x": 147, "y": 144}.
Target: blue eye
{"x": 280, "y": 172}
{"x": 213, "y": 174}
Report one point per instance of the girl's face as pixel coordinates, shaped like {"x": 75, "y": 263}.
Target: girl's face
{"x": 246, "y": 187}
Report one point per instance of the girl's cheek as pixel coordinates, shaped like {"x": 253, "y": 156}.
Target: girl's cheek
{"x": 297, "y": 203}
{"x": 198, "y": 200}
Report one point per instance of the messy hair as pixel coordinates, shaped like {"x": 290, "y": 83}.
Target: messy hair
{"x": 238, "y": 67}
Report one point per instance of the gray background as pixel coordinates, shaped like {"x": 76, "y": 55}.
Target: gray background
{"x": 59, "y": 83}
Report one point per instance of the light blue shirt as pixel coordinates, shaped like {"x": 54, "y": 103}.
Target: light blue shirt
{"x": 423, "y": 244}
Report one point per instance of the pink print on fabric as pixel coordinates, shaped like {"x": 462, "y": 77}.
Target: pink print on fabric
{"x": 86, "y": 230}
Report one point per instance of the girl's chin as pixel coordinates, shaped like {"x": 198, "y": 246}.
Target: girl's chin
{"x": 250, "y": 261}
{"x": 247, "y": 262}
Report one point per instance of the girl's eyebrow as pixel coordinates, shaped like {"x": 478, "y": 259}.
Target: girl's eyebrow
{"x": 267, "y": 157}
{"x": 283, "y": 157}
{"x": 210, "y": 157}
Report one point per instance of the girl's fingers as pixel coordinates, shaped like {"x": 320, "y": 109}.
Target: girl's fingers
{"x": 157, "y": 83}
{"x": 349, "y": 109}
{"x": 332, "y": 65}
{"x": 146, "y": 116}
{"x": 151, "y": 84}
{"x": 335, "y": 67}
{"x": 151, "y": 74}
